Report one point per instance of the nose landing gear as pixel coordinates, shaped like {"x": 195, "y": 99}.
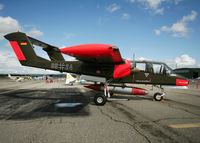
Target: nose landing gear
{"x": 159, "y": 96}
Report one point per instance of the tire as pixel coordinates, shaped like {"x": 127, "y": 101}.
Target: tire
{"x": 100, "y": 100}
{"x": 157, "y": 96}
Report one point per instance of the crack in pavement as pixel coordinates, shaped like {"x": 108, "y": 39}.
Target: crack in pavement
{"x": 127, "y": 123}
{"x": 177, "y": 106}
{"x": 149, "y": 126}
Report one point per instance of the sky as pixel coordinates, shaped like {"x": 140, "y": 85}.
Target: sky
{"x": 158, "y": 30}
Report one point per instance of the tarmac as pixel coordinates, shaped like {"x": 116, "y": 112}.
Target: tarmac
{"x": 28, "y": 114}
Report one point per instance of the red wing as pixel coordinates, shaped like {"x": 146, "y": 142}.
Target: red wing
{"x": 96, "y": 53}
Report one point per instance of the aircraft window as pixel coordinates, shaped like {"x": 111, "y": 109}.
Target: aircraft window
{"x": 169, "y": 71}
{"x": 149, "y": 68}
{"x": 140, "y": 66}
{"x": 158, "y": 68}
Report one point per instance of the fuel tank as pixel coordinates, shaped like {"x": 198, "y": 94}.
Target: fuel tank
{"x": 119, "y": 89}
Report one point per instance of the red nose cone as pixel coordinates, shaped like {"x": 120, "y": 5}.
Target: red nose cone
{"x": 94, "y": 87}
{"x": 181, "y": 82}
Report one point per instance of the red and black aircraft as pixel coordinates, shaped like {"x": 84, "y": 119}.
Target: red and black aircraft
{"x": 100, "y": 62}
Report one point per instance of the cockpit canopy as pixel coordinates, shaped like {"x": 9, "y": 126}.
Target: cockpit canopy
{"x": 154, "y": 67}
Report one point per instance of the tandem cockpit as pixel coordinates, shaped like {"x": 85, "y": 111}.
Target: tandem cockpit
{"x": 154, "y": 67}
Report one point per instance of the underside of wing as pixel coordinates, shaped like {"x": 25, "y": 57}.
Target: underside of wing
{"x": 95, "y": 53}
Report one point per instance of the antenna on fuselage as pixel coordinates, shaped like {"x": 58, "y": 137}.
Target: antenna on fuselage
{"x": 134, "y": 65}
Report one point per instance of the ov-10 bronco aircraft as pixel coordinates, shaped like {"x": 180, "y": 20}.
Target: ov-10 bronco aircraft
{"x": 101, "y": 63}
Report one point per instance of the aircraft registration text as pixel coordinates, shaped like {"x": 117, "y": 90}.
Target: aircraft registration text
{"x": 62, "y": 66}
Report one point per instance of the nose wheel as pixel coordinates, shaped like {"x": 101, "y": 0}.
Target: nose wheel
{"x": 158, "y": 96}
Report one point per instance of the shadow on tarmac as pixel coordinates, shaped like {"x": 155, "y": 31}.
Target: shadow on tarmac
{"x": 27, "y": 104}
{"x": 31, "y": 104}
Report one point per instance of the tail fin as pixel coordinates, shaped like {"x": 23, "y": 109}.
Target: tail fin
{"x": 23, "y": 48}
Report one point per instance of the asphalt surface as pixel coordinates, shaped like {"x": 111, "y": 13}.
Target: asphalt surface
{"x": 28, "y": 115}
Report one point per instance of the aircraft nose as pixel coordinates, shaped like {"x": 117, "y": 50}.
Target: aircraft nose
{"x": 181, "y": 82}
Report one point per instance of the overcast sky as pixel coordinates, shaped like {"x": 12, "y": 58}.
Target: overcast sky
{"x": 159, "y": 30}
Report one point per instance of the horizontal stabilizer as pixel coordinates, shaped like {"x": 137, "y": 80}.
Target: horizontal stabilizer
{"x": 52, "y": 51}
{"x": 23, "y": 47}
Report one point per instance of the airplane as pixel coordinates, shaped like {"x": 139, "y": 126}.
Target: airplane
{"x": 100, "y": 62}
{"x": 70, "y": 80}
{"x": 16, "y": 78}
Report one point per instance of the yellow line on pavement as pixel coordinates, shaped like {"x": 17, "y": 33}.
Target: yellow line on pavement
{"x": 185, "y": 125}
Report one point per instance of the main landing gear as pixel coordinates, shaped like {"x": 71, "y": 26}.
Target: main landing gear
{"x": 101, "y": 99}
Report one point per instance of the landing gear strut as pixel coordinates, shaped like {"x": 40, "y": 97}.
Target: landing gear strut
{"x": 101, "y": 99}
{"x": 159, "y": 96}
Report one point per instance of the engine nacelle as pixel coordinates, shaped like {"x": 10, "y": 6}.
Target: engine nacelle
{"x": 98, "y": 53}
{"x": 122, "y": 70}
